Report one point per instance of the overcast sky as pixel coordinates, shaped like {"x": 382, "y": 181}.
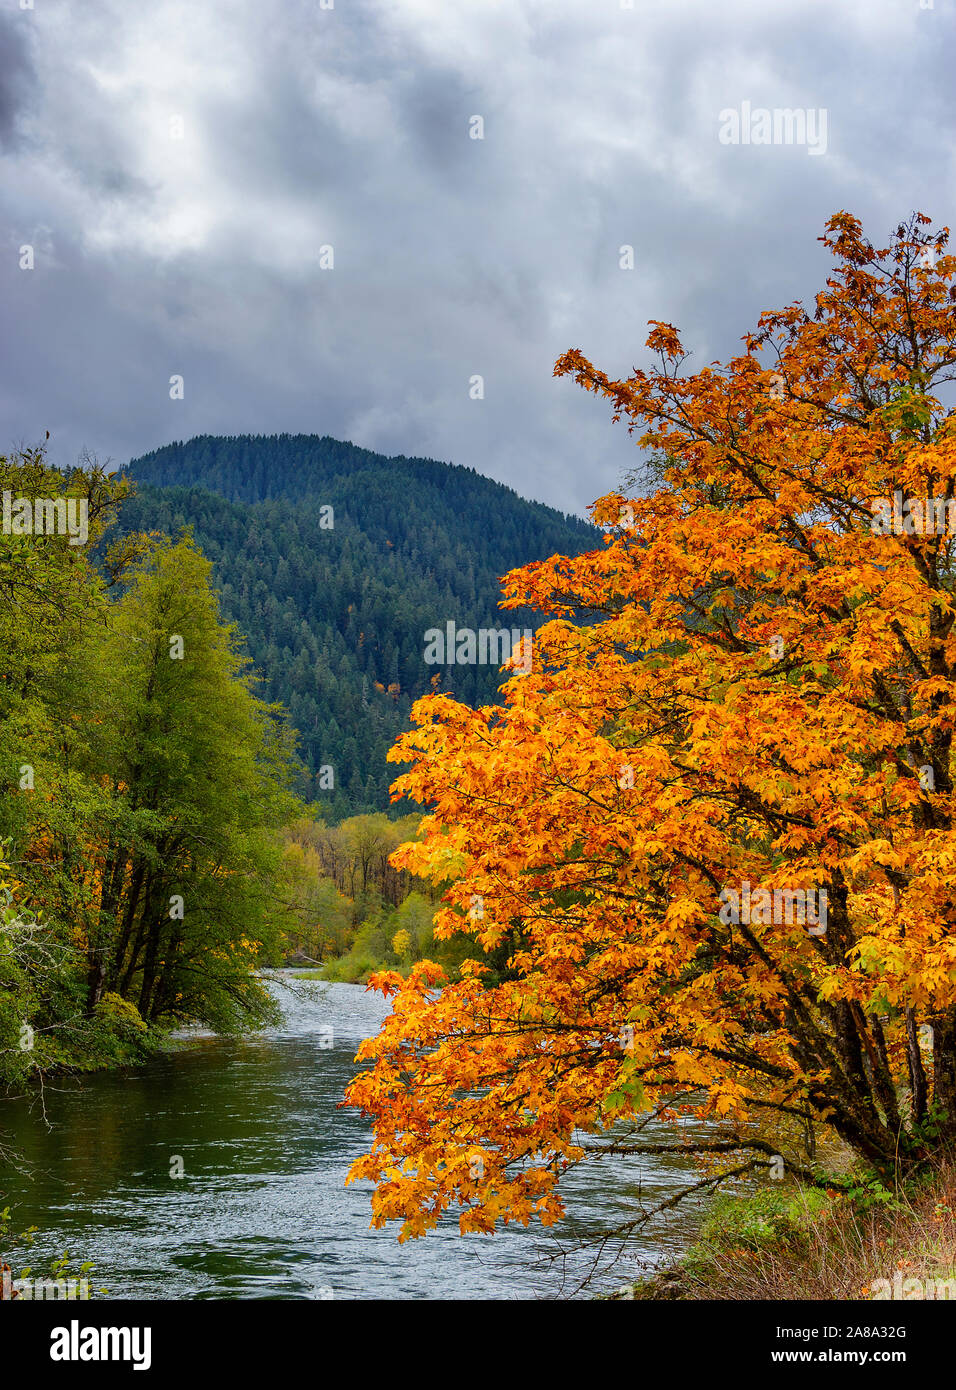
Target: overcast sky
{"x": 351, "y": 127}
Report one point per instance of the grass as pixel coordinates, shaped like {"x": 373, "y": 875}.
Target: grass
{"x": 348, "y": 969}
{"x": 790, "y": 1242}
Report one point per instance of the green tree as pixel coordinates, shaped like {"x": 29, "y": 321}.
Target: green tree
{"x": 202, "y": 770}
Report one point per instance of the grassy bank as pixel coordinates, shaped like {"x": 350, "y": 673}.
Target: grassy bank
{"x": 855, "y": 1241}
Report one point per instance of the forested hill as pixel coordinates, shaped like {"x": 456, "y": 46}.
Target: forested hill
{"x": 334, "y": 615}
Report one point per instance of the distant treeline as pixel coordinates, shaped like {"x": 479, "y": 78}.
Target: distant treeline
{"x": 348, "y": 910}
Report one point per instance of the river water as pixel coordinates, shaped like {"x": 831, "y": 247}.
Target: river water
{"x": 261, "y": 1210}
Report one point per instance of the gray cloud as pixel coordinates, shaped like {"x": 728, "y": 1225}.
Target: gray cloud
{"x": 453, "y": 257}
{"x": 16, "y": 78}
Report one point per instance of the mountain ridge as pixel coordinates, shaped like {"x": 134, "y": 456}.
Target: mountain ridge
{"x": 164, "y": 460}
{"x": 334, "y": 615}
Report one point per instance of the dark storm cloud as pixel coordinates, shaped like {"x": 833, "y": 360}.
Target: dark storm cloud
{"x": 17, "y": 78}
{"x": 453, "y": 257}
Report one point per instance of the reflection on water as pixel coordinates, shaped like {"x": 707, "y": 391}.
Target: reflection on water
{"x": 261, "y": 1210}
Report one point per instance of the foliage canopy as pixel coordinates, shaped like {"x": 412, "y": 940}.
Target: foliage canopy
{"x": 767, "y": 698}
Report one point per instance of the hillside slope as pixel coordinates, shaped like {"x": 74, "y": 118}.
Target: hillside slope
{"x": 334, "y": 615}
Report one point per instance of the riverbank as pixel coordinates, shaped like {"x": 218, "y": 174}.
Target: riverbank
{"x": 799, "y": 1243}
{"x": 112, "y": 1038}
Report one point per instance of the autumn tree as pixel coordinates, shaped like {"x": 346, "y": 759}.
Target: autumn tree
{"x": 712, "y": 828}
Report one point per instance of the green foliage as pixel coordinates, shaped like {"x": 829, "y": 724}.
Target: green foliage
{"x": 395, "y": 938}
{"x": 335, "y": 618}
{"x": 344, "y": 905}
{"x": 867, "y": 1190}
{"x": 43, "y": 1024}
{"x": 415, "y": 916}
{"x": 59, "y": 1270}
{"x": 120, "y": 1014}
{"x": 204, "y": 769}
{"x": 929, "y": 1130}
{"x": 143, "y": 787}
{"x": 771, "y": 1217}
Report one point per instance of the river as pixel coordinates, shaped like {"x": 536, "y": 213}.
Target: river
{"x": 261, "y": 1210}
